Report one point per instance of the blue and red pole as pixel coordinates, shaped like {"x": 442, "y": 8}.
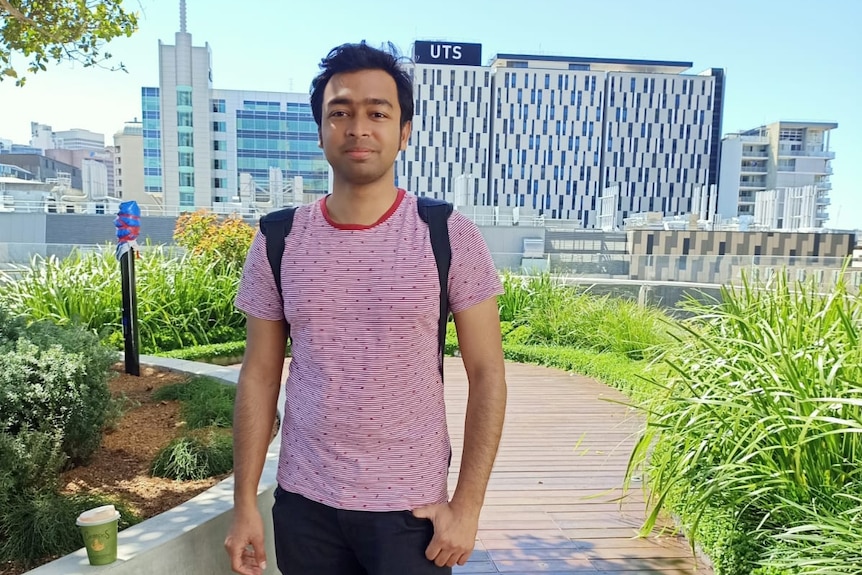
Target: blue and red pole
{"x": 128, "y": 223}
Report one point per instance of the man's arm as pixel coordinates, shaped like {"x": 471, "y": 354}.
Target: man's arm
{"x": 481, "y": 348}
{"x": 254, "y": 414}
{"x": 456, "y": 523}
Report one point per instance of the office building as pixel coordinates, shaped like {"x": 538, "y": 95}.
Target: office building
{"x": 558, "y": 131}
{"x": 128, "y": 152}
{"x": 777, "y": 156}
{"x": 199, "y": 141}
{"x": 44, "y": 168}
{"x": 45, "y": 138}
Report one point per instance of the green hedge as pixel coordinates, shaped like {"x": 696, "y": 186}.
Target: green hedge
{"x": 54, "y": 380}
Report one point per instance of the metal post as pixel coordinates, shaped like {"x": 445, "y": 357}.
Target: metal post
{"x": 128, "y": 226}
{"x": 131, "y": 335}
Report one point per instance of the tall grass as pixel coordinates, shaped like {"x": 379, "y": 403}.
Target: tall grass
{"x": 762, "y": 416}
{"x": 567, "y": 316}
{"x": 183, "y": 300}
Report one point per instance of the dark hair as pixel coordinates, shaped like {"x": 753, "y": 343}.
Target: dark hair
{"x": 357, "y": 57}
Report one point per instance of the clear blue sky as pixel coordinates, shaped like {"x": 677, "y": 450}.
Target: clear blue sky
{"x": 785, "y": 59}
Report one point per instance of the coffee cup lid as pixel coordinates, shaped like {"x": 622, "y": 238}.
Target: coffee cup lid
{"x": 101, "y": 514}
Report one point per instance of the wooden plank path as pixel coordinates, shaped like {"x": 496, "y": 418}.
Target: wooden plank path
{"x": 552, "y": 506}
{"x": 552, "y": 503}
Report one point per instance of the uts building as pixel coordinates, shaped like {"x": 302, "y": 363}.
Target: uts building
{"x": 551, "y": 133}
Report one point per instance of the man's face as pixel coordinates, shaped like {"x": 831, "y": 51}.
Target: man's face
{"x": 360, "y": 129}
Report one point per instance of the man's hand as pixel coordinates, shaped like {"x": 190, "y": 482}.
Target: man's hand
{"x": 455, "y": 531}
{"x": 244, "y": 544}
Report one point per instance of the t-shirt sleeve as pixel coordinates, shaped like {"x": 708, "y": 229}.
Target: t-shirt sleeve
{"x": 257, "y": 295}
{"x": 473, "y": 278}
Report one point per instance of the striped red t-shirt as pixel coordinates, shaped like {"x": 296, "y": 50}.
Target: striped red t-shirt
{"x": 365, "y": 421}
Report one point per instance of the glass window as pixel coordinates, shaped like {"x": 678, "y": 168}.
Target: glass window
{"x": 184, "y": 97}
{"x": 187, "y": 179}
{"x": 219, "y": 126}
{"x": 186, "y": 159}
{"x": 184, "y": 119}
{"x": 219, "y": 145}
{"x": 185, "y": 139}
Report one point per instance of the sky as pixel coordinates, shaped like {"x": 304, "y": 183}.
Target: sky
{"x": 784, "y": 59}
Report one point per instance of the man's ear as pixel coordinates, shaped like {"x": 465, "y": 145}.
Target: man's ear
{"x": 406, "y": 130}
{"x": 319, "y": 139}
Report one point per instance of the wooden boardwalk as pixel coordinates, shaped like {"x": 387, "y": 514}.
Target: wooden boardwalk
{"x": 552, "y": 504}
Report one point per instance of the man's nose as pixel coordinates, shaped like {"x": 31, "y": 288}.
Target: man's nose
{"x": 359, "y": 125}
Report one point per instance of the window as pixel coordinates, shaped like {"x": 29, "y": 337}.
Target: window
{"x": 187, "y": 179}
{"x": 185, "y": 139}
{"x": 118, "y": 160}
{"x": 184, "y": 119}
{"x": 219, "y": 126}
{"x": 219, "y": 145}
{"x": 219, "y": 164}
{"x": 220, "y": 183}
{"x": 218, "y": 106}
{"x": 119, "y": 171}
{"x": 186, "y": 159}
{"x": 184, "y": 97}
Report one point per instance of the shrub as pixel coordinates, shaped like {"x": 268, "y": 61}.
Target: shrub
{"x": 30, "y": 461}
{"x": 760, "y": 415}
{"x": 196, "y": 456}
{"x": 51, "y": 390}
{"x": 210, "y": 352}
{"x": 205, "y": 402}
{"x": 224, "y": 239}
{"x": 11, "y": 326}
{"x": 182, "y": 300}
{"x": 43, "y": 524}
{"x": 521, "y": 335}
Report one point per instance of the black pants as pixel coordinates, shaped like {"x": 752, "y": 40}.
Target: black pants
{"x": 315, "y": 539}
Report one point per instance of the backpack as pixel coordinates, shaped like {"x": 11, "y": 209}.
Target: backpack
{"x": 434, "y": 213}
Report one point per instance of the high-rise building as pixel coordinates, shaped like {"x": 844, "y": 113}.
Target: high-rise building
{"x": 777, "y": 156}
{"x": 198, "y": 141}
{"x": 551, "y": 133}
{"x": 129, "y": 165}
{"x": 44, "y": 137}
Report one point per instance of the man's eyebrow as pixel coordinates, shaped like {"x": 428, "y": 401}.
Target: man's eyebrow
{"x": 343, "y": 101}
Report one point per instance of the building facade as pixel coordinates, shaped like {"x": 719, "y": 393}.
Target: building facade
{"x": 44, "y": 168}
{"x": 777, "y": 156}
{"x": 44, "y": 137}
{"x": 549, "y": 134}
{"x": 198, "y": 142}
{"x": 129, "y": 165}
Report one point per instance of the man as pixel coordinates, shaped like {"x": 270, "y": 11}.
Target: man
{"x": 365, "y": 449}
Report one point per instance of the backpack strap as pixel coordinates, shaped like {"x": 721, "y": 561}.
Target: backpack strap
{"x": 436, "y": 214}
{"x": 276, "y": 226}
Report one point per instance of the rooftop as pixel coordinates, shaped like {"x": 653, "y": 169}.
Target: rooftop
{"x": 605, "y": 64}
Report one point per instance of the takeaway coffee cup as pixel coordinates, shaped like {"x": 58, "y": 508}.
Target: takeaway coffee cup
{"x": 99, "y": 530}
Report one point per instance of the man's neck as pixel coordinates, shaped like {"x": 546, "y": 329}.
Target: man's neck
{"x": 360, "y": 205}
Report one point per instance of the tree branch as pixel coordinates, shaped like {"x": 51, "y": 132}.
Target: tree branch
{"x": 15, "y": 13}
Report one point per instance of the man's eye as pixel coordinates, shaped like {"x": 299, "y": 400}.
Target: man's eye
{"x": 337, "y": 114}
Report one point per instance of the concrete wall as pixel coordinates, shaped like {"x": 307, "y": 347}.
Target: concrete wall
{"x": 85, "y": 229}
{"x": 99, "y": 229}
{"x": 22, "y": 228}
{"x": 188, "y": 539}
{"x": 507, "y": 243}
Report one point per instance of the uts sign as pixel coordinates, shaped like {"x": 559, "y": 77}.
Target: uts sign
{"x": 458, "y": 54}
